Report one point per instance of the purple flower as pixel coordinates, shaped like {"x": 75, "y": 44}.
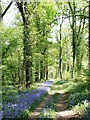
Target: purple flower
{"x": 14, "y": 107}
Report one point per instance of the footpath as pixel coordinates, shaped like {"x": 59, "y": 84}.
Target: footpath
{"x": 62, "y": 112}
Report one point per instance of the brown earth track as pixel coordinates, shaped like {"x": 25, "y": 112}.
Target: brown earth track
{"x": 62, "y": 112}
{"x": 38, "y": 110}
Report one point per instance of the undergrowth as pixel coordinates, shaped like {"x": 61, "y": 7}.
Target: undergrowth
{"x": 26, "y": 113}
{"x": 78, "y": 97}
{"x": 49, "y": 110}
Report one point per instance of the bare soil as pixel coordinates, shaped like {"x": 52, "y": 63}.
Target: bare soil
{"x": 62, "y": 112}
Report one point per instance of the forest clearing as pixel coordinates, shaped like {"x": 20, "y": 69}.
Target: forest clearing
{"x": 45, "y": 60}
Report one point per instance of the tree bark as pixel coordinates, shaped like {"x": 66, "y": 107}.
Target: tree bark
{"x": 37, "y": 71}
{"x": 89, "y": 42}
{"x": 41, "y": 70}
{"x": 47, "y": 69}
{"x": 42, "y": 65}
{"x": 27, "y": 55}
{"x": 60, "y": 55}
{"x": 73, "y": 26}
{"x": 22, "y": 6}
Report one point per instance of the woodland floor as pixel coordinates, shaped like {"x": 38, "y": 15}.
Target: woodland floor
{"x": 62, "y": 112}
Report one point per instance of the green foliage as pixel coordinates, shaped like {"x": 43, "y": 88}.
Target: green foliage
{"x": 26, "y": 113}
{"x": 49, "y": 109}
{"x": 42, "y": 25}
{"x": 78, "y": 96}
{"x": 12, "y": 54}
{"x": 86, "y": 72}
{"x": 81, "y": 108}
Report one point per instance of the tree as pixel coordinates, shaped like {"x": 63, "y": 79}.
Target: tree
{"x": 43, "y": 21}
{"x": 25, "y": 13}
{"x": 12, "y": 56}
{"x": 89, "y": 50}
{"x": 73, "y": 26}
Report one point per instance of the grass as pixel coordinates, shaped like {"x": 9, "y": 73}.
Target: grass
{"x": 11, "y": 95}
{"x": 26, "y": 113}
{"x": 49, "y": 110}
{"x": 13, "y": 90}
{"x": 6, "y": 89}
{"x": 78, "y": 97}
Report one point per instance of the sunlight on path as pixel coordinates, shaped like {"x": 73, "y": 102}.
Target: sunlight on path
{"x": 67, "y": 114}
{"x": 38, "y": 110}
{"x": 62, "y": 112}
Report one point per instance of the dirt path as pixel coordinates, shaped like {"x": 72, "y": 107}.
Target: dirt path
{"x": 62, "y": 112}
{"x": 38, "y": 110}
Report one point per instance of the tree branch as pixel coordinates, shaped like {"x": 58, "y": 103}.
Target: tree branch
{"x": 7, "y": 9}
{"x": 20, "y": 7}
{"x": 70, "y": 7}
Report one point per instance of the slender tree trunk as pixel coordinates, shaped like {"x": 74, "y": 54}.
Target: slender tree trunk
{"x": 47, "y": 72}
{"x": 41, "y": 70}
{"x": 37, "y": 71}
{"x": 42, "y": 65}
{"x": 73, "y": 26}
{"x": 18, "y": 71}
{"x": 60, "y": 56}
{"x": 46, "y": 67}
{"x": 44, "y": 71}
{"x": 89, "y": 51}
{"x": 37, "y": 60}
{"x": 1, "y": 62}
{"x": 73, "y": 67}
{"x": 73, "y": 39}
{"x": 89, "y": 41}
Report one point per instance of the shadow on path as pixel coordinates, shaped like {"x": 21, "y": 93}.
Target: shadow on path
{"x": 62, "y": 112}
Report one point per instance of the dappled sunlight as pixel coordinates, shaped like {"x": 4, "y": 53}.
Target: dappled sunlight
{"x": 40, "y": 107}
{"x": 45, "y": 59}
{"x": 67, "y": 114}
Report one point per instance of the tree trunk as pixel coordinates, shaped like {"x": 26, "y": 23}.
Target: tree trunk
{"x": 73, "y": 39}
{"x": 47, "y": 70}
{"x": 23, "y": 8}
{"x": 27, "y": 53}
{"x": 60, "y": 55}
{"x": 89, "y": 41}
{"x": 73, "y": 26}
{"x": 42, "y": 64}
{"x": 37, "y": 71}
{"x": 73, "y": 43}
{"x": 41, "y": 70}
